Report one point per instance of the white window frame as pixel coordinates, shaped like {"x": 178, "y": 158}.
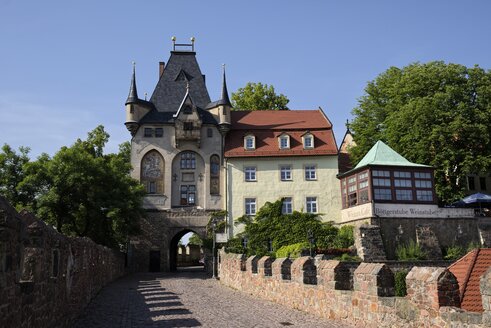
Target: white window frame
{"x": 311, "y": 204}
{"x": 310, "y": 172}
{"x": 284, "y": 171}
{"x": 287, "y": 205}
{"x": 250, "y": 206}
{"x": 306, "y": 137}
{"x": 250, "y": 173}
{"x": 284, "y": 138}
{"x": 249, "y": 139}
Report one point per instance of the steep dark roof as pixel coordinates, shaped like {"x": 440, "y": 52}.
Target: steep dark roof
{"x": 224, "y": 100}
{"x": 182, "y": 68}
{"x": 133, "y": 94}
{"x": 156, "y": 117}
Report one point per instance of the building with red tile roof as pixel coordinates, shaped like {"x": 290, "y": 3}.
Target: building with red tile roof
{"x": 290, "y": 154}
{"x": 468, "y": 271}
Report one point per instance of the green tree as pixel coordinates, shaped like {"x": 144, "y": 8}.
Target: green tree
{"x": 258, "y": 96}
{"x": 83, "y": 192}
{"x": 436, "y": 114}
{"x": 195, "y": 240}
{"x": 12, "y": 173}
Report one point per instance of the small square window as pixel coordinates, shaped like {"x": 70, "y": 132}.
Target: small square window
{"x": 250, "y": 173}
{"x": 311, "y": 204}
{"x": 286, "y": 173}
{"x": 249, "y": 143}
{"x": 284, "y": 142}
{"x": 148, "y": 132}
{"x": 308, "y": 142}
{"x": 209, "y": 132}
{"x": 159, "y": 132}
{"x": 250, "y": 206}
{"x": 310, "y": 173}
{"x": 287, "y": 206}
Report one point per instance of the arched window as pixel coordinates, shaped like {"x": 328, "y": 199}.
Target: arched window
{"x": 152, "y": 172}
{"x": 214, "y": 175}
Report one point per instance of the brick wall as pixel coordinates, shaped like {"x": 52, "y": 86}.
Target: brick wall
{"x": 46, "y": 278}
{"x": 328, "y": 289}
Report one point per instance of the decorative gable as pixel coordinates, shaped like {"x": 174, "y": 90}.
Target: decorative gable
{"x": 187, "y": 122}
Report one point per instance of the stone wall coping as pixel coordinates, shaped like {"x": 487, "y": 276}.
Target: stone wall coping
{"x": 370, "y": 268}
{"x": 426, "y": 274}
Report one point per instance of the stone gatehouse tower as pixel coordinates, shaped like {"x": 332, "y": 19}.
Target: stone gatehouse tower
{"x": 177, "y": 154}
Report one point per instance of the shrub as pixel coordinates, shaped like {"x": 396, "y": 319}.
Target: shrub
{"x": 472, "y": 245}
{"x": 453, "y": 253}
{"x": 345, "y": 237}
{"x": 400, "y": 283}
{"x": 234, "y": 245}
{"x": 410, "y": 252}
{"x": 291, "y": 251}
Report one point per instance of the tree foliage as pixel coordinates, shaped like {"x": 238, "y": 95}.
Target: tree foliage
{"x": 258, "y": 96}
{"x": 436, "y": 114}
{"x": 195, "y": 240}
{"x": 270, "y": 225}
{"x": 12, "y": 173}
{"x": 80, "y": 190}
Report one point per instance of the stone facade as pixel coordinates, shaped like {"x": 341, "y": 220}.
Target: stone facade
{"x": 155, "y": 249}
{"x": 46, "y": 278}
{"x": 432, "y": 299}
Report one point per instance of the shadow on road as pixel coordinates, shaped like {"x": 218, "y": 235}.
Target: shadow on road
{"x": 141, "y": 301}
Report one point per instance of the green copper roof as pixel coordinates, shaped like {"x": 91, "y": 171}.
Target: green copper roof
{"x": 381, "y": 154}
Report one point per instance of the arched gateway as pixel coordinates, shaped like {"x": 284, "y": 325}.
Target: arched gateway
{"x": 177, "y": 154}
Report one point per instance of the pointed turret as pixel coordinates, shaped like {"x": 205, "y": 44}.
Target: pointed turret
{"x": 224, "y": 107}
{"x": 135, "y": 108}
{"x": 225, "y": 99}
{"x": 133, "y": 94}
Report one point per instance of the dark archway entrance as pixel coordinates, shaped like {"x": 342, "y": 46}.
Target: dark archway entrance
{"x": 176, "y": 257}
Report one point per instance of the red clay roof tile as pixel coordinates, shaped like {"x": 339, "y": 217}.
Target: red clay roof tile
{"x": 468, "y": 271}
{"x": 268, "y": 125}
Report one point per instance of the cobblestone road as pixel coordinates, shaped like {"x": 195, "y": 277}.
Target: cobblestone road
{"x": 186, "y": 299}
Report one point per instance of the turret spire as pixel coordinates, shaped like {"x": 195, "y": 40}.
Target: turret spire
{"x": 224, "y": 100}
{"x": 133, "y": 95}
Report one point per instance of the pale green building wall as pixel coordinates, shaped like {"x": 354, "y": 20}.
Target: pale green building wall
{"x": 269, "y": 187}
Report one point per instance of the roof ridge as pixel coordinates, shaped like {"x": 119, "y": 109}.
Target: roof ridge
{"x": 469, "y": 274}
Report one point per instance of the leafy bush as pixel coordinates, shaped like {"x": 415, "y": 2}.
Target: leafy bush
{"x": 472, "y": 245}
{"x": 271, "y": 226}
{"x": 453, "y": 253}
{"x": 400, "y": 283}
{"x": 345, "y": 237}
{"x": 291, "y": 251}
{"x": 410, "y": 252}
{"x": 234, "y": 245}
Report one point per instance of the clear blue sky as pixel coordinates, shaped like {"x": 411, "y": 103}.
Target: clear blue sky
{"x": 65, "y": 66}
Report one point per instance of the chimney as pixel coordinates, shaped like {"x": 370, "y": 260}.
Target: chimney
{"x": 161, "y": 69}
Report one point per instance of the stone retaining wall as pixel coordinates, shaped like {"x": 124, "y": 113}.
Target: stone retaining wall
{"x": 46, "y": 278}
{"x": 366, "y": 298}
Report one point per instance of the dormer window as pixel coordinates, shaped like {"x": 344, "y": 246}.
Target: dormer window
{"x": 284, "y": 141}
{"x": 308, "y": 141}
{"x": 250, "y": 142}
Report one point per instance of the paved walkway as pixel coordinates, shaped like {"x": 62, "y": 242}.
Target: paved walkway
{"x": 186, "y": 299}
